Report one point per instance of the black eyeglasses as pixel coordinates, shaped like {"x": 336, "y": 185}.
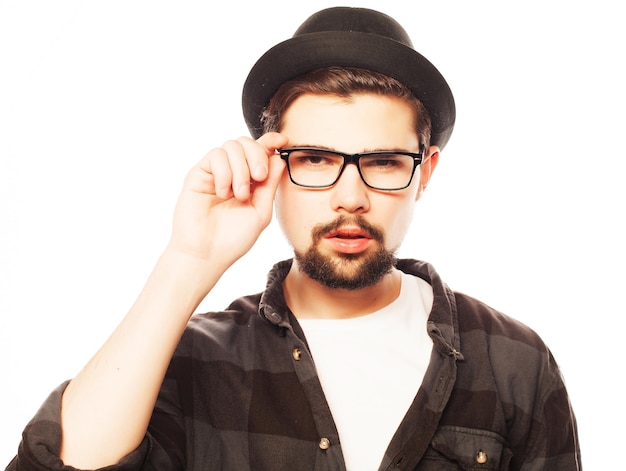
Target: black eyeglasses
{"x": 320, "y": 168}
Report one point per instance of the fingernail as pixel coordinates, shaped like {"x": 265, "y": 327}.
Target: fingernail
{"x": 243, "y": 189}
{"x": 260, "y": 171}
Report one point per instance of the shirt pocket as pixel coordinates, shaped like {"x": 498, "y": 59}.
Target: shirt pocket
{"x": 460, "y": 448}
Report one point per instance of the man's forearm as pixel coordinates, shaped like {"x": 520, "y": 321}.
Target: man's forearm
{"x": 107, "y": 407}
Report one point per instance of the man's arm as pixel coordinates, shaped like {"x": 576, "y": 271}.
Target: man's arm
{"x": 552, "y": 442}
{"x": 226, "y": 202}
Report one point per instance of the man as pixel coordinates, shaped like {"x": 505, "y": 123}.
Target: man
{"x": 350, "y": 359}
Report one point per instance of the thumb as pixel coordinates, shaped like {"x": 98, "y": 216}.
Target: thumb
{"x": 272, "y": 141}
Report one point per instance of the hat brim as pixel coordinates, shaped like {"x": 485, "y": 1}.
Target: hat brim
{"x": 308, "y": 52}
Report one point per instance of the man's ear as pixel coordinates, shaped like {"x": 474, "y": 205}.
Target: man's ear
{"x": 427, "y": 167}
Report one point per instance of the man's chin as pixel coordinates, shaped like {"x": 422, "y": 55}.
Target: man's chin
{"x": 350, "y": 271}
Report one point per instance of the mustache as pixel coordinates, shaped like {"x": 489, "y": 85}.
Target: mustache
{"x": 321, "y": 230}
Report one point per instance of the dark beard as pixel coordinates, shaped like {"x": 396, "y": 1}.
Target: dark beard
{"x": 349, "y": 271}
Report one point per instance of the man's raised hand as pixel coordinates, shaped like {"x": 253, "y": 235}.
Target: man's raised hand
{"x": 227, "y": 199}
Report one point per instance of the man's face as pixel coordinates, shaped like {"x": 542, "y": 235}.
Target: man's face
{"x": 345, "y": 236}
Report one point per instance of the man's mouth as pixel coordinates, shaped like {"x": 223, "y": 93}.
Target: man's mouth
{"x": 349, "y": 233}
{"x": 349, "y": 240}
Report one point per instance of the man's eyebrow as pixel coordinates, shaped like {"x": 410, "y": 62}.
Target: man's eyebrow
{"x": 365, "y": 151}
{"x": 313, "y": 146}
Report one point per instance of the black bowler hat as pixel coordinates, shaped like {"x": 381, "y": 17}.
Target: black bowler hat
{"x": 350, "y": 37}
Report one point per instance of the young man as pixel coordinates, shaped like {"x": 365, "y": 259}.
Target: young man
{"x": 350, "y": 359}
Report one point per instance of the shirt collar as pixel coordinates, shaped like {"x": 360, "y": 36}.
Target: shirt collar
{"x": 442, "y": 321}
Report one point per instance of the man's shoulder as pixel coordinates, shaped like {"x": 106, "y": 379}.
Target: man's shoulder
{"x": 471, "y": 314}
{"x": 221, "y": 328}
{"x": 476, "y": 316}
{"x": 239, "y": 313}
{"x": 223, "y": 340}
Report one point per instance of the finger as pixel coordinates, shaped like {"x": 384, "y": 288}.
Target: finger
{"x": 237, "y": 154}
{"x": 216, "y": 164}
{"x": 268, "y": 143}
{"x": 256, "y": 158}
{"x": 201, "y": 178}
{"x": 230, "y": 168}
{"x": 272, "y": 141}
{"x": 257, "y": 152}
{"x": 264, "y": 192}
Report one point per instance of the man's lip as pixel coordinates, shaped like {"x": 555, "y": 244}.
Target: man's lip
{"x": 349, "y": 233}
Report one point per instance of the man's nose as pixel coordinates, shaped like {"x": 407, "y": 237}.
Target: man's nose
{"x": 350, "y": 194}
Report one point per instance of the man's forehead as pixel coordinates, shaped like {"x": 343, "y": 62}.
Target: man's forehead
{"x": 367, "y": 123}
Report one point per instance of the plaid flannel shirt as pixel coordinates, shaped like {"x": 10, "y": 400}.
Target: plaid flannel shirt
{"x": 242, "y": 393}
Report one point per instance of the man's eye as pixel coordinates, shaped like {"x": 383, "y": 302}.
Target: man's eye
{"x": 314, "y": 160}
{"x": 387, "y": 163}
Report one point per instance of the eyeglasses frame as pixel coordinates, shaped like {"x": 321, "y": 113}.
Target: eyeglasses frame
{"x": 418, "y": 158}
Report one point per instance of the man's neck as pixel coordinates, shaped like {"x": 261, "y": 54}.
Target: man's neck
{"x": 309, "y": 299}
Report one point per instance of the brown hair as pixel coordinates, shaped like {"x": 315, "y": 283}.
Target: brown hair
{"x": 344, "y": 82}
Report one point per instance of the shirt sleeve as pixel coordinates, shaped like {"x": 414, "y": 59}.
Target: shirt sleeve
{"x": 553, "y": 438}
{"x": 40, "y": 447}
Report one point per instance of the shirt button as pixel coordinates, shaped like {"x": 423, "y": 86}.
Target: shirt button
{"x": 296, "y": 354}
{"x": 324, "y": 444}
{"x": 481, "y": 457}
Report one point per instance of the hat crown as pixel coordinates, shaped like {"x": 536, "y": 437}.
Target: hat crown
{"x": 350, "y": 37}
{"x": 349, "y": 19}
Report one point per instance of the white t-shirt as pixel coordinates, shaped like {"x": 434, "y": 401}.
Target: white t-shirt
{"x": 371, "y": 367}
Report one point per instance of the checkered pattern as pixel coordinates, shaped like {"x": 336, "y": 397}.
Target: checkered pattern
{"x": 242, "y": 393}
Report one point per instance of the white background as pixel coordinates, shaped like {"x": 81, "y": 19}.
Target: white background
{"x": 105, "y": 105}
